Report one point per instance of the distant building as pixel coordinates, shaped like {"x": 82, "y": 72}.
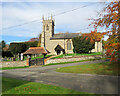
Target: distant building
{"x": 61, "y": 42}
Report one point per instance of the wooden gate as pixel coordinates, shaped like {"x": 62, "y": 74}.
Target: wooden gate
{"x": 36, "y": 62}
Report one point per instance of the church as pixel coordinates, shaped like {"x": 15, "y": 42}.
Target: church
{"x": 60, "y": 43}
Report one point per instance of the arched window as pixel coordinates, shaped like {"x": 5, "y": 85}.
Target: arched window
{"x": 68, "y": 45}
{"x": 47, "y": 27}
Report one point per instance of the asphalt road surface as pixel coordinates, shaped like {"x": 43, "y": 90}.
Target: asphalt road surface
{"x": 100, "y": 84}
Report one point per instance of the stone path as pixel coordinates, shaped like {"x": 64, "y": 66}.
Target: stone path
{"x": 100, "y": 84}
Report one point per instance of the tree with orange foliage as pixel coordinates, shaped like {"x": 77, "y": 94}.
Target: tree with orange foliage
{"x": 111, "y": 22}
{"x": 95, "y": 36}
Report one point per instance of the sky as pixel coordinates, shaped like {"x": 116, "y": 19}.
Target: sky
{"x": 15, "y": 15}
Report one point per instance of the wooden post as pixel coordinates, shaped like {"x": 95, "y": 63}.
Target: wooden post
{"x": 44, "y": 59}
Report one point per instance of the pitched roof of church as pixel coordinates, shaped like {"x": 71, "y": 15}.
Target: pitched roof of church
{"x": 65, "y": 35}
{"x": 36, "y": 50}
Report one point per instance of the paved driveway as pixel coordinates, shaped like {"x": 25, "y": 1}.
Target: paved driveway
{"x": 99, "y": 84}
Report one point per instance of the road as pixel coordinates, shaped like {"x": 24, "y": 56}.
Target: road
{"x": 99, "y": 84}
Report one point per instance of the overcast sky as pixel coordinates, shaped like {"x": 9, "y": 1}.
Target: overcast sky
{"x": 18, "y": 13}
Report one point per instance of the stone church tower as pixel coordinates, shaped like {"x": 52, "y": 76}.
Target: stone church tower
{"x": 47, "y": 32}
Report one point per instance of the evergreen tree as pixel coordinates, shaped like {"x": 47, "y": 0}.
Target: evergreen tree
{"x": 82, "y": 44}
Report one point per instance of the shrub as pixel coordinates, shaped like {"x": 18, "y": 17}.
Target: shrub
{"x": 82, "y": 44}
{"x": 7, "y": 54}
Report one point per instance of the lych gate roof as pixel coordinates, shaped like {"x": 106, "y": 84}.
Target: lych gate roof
{"x": 65, "y": 35}
{"x": 36, "y": 50}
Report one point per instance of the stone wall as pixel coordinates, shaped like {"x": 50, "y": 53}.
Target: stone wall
{"x": 13, "y": 63}
{"x": 65, "y": 59}
{"x": 70, "y": 59}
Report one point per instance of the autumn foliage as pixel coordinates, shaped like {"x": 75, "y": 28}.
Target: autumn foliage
{"x": 110, "y": 20}
{"x": 94, "y": 36}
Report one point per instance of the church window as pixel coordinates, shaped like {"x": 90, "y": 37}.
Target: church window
{"x": 47, "y": 27}
{"x": 68, "y": 45}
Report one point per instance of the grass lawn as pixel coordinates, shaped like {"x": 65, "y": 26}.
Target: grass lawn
{"x": 6, "y": 68}
{"x": 76, "y": 54}
{"x": 98, "y": 68}
{"x": 14, "y": 86}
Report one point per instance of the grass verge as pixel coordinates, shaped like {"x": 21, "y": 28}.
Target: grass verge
{"x": 98, "y": 68}
{"x": 14, "y": 86}
{"x": 6, "y": 68}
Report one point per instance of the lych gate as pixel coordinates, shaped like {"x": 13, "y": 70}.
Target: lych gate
{"x": 35, "y": 51}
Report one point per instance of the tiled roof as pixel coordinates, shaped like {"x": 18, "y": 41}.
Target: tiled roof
{"x": 36, "y": 50}
{"x": 65, "y": 35}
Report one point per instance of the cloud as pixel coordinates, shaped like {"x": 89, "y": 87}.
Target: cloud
{"x": 16, "y": 13}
